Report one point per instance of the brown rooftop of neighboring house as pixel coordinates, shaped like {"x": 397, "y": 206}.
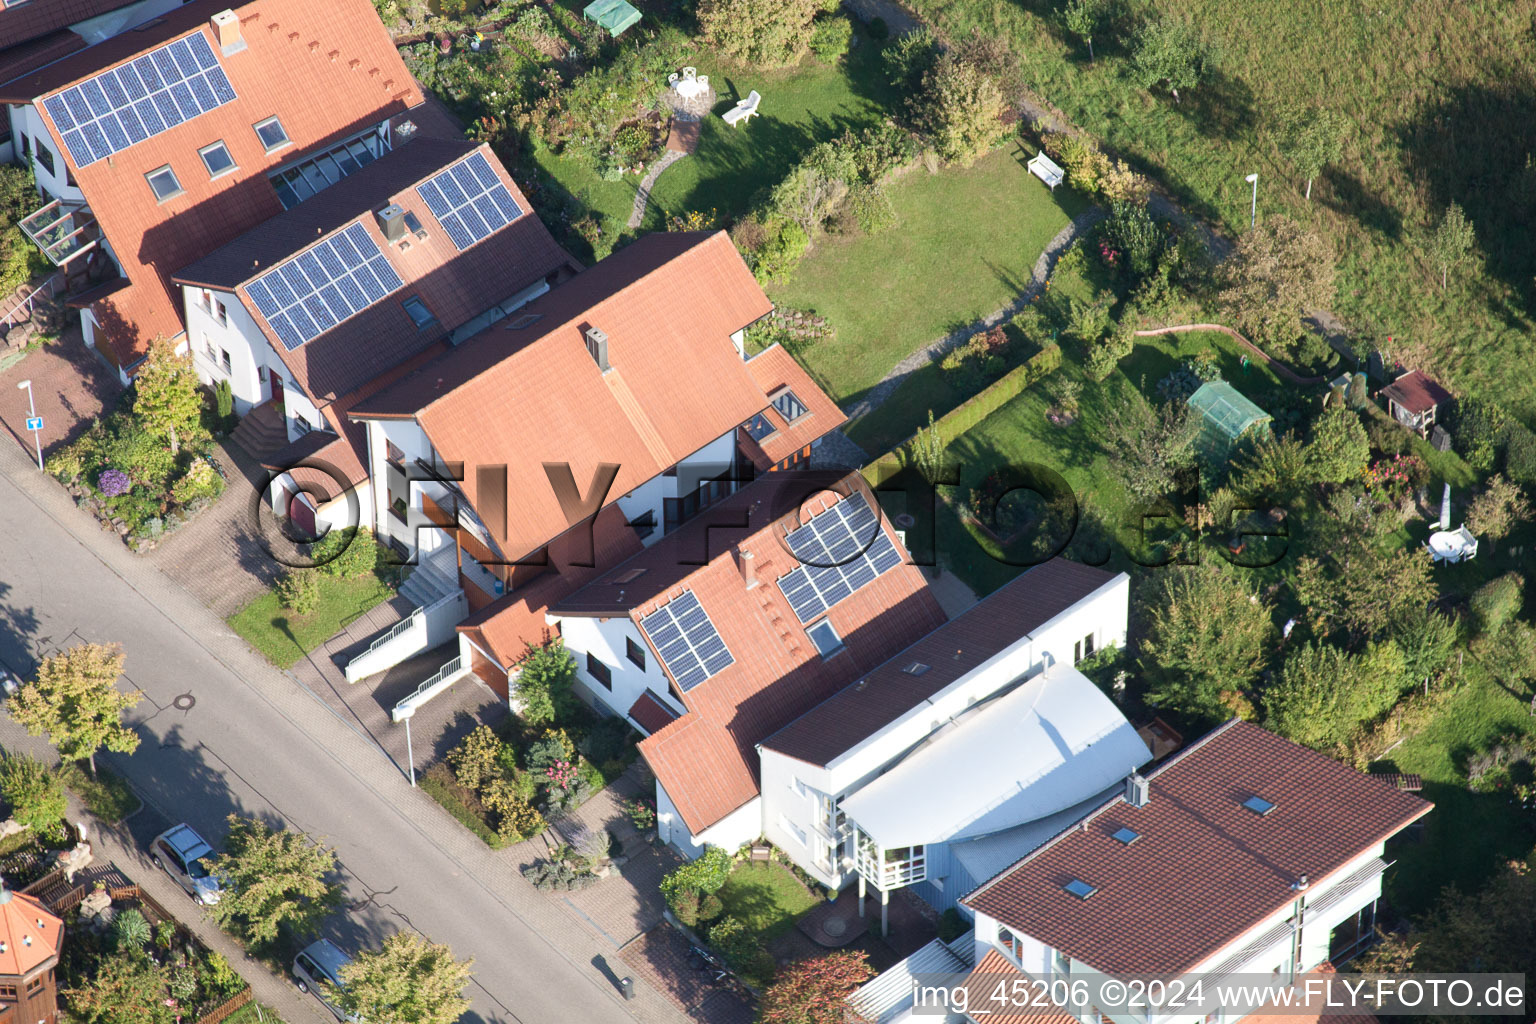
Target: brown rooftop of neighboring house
{"x": 1211, "y": 867}
{"x": 455, "y": 286}
{"x": 706, "y": 760}
{"x": 34, "y": 53}
{"x": 1416, "y": 392}
{"x": 932, "y": 662}
{"x": 326, "y": 70}
{"x": 24, "y": 22}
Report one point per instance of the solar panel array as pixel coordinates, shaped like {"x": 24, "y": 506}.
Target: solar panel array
{"x": 689, "y": 645}
{"x": 148, "y": 95}
{"x": 840, "y": 551}
{"x": 306, "y": 296}
{"x": 469, "y": 201}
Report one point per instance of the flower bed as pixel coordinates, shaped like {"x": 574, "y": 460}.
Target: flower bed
{"x": 131, "y": 481}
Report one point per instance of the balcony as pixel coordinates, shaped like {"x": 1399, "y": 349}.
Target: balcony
{"x": 62, "y": 230}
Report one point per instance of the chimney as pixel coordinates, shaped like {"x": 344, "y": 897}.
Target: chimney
{"x": 391, "y": 222}
{"x": 748, "y": 567}
{"x": 1137, "y": 790}
{"x": 226, "y": 29}
{"x": 597, "y": 345}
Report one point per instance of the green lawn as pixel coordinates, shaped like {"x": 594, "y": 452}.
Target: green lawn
{"x": 1468, "y": 836}
{"x": 283, "y": 637}
{"x": 963, "y": 245}
{"x": 766, "y": 897}
{"x": 107, "y": 795}
{"x": 801, "y": 106}
{"x": 1437, "y": 97}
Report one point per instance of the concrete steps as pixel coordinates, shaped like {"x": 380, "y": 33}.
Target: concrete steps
{"x": 262, "y": 432}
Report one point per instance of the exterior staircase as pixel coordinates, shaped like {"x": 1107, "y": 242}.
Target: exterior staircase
{"x": 262, "y": 432}
{"x": 432, "y": 579}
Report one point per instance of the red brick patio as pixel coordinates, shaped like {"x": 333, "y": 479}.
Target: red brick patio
{"x": 70, "y": 384}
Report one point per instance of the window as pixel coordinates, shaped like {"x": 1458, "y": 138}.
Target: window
{"x": 217, "y": 159}
{"x": 597, "y": 670}
{"x": 1126, "y": 835}
{"x": 45, "y": 157}
{"x": 760, "y": 427}
{"x": 224, "y": 359}
{"x": 271, "y": 134}
{"x": 789, "y": 405}
{"x": 207, "y": 301}
{"x": 220, "y": 313}
{"x": 213, "y": 356}
{"x": 1258, "y": 805}
{"x": 301, "y": 425}
{"x": 1079, "y": 888}
{"x": 22, "y": 144}
{"x": 1082, "y": 649}
{"x": 1060, "y": 965}
{"x": 420, "y": 315}
{"x": 795, "y": 831}
{"x": 163, "y": 183}
{"x": 634, "y": 652}
{"x": 825, "y": 638}
{"x": 1010, "y": 942}
{"x": 643, "y": 527}
{"x": 917, "y": 668}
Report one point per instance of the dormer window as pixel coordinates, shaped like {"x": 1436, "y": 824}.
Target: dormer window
{"x": 789, "y": 405}
{"x": 760, "y": 427}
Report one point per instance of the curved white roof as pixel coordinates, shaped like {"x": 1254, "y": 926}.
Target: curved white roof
{"x": 1053, "y": 742}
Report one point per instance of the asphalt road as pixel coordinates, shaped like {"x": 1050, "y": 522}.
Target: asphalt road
{"x": 223, "y": 732}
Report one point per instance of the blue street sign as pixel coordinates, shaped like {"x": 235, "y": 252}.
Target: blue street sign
{"x": 34, "y": 423}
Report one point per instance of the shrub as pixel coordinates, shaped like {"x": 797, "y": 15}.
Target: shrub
{"x": 1479, "y": 426}
{"x": 710, "y": 907}
{"x": 18, "y": 193}
{"x": 113, "y": 483}
{"x": 961, "y": 109}
{"x": 878, "y": 29}
{"x": 1131, "y": 230}
{"x": 763, "y": 33}
{"x": 542, "y": 692}
{"x": 685, "y": 905}
{"x": 1497, "y": 602}
{"x": 554, "y": 747}
{"x": 1106, "y": 355}
{"x": 299, "y": 590}
{"x": 345, "y": 554}
{"x": 476, "y": 761}
{"x": 740, "y": 947}
{"x": 200, "y": 480}
{"x": 909, "y": 59}
{"x": 702, "y": 876}
{"x": 519, "y": 821}
{"x": 782, "y": 252}
{"x": 642, "y": 813}
{"x": 1519, "y": 452}
{"x": 830, "y": 36}
{"x": 34, "y": 791}
{"x": 130, "y": 929}
{"x": 951, "y": 925}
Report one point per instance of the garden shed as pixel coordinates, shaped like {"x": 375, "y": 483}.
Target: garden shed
{"x": 1225, "y": 416}
{"x": 1414, "y": 400}
{"x": 613, "y": 15}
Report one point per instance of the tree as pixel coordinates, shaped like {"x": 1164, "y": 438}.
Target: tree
{"x": 1362, "y": 589}
{"x": 1311, "y": 138}
{"x": 926, "y": 451}
{"x": 1452, "y": 243}
{"x": 1339, "y": 449}
{"x": 1493, "y": 929}
{"x": 273, "y": 878}
{"x": 1149, "y": 447}
{"x": 1088, "y": 319}
{"x": 166, "y": 399}
{"x": 298, "y": 589}
{"x": 764, "y": 33}
{"x": 1497, "y": 601}
{"x": 126, "y": 989}
{"x": 1208, "y": 635}
{"x": 815, "y": 990}
{"x": 1168, "y": 51}
{"x": 704, "y": 877}
{"x": 75, "y": 700}
{"x": 1278, "y": 272}
{"x": 1083, "y": 17}
{"x": 543, "y": 687}
{"x": 411, "y": 980}
{"x": 34, "y": 791}
{"x": 1498, "y": 509}
{"x": 1324, "y": 694}
{"x": 908, "y": 60}
{"x": 1273, "y": 471}
{"x": 962, "y": 110}
{"x": 815, "y": 187}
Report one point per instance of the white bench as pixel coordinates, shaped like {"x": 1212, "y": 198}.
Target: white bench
{"x": 1044, "y": 168}
{"x": 743, "y": 110}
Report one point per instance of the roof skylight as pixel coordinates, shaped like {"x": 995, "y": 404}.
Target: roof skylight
{"x": 1126, "y": 835}
{"x": 1258, "y": 805}
{"x": 1081, "y": 889}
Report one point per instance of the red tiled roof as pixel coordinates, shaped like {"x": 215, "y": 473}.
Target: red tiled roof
{"x": 33, "y": 54}
{"x": 1210, "y": 867}
{"x": 650, "y": 713}
{"x": 775, "y": 369}
{"x": 996, "y": 975}
{"x": 706, "y": 759}
{"x": 456, "y": 287}
{"x": 1416, "y": 392}
{"x": 22, "y": 23}
{"x": 29, "y": 934}
{"x": 518, "y": 618}
{"x": 522, "y": 396}
{"x": 327, "y": 70}
{"x": 319, "y": 447}
{"x": 854, "y": 714}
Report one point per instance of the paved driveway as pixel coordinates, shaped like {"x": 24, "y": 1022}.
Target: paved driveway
{"x": 224, "y": 732}
{"x": 70, "y": 385}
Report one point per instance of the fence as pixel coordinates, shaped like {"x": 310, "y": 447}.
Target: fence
{"x": 23, "y": 309}
{"x": 973, "y": 410}
{"x": 220, "y": 1013}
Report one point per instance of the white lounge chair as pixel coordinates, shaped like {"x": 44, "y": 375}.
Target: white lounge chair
{"x": 1044, "y": 168}
{"x": 743, "y": 110}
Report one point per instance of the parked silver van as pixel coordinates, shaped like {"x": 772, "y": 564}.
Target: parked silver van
{"x": 318, "y": 967}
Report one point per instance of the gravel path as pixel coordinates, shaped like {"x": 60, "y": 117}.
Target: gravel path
{"x": 937, "y": 348}
{"x": 644, "y": 195}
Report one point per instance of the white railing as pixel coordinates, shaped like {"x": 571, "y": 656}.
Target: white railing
{"x": 24, "y": 306}
{"x": 426, "y": 690}
{"x": 392, "y": 632}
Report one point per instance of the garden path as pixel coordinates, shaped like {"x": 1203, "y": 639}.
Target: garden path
{"x": 935, "y": 349}
{"x": 643, "y": 196}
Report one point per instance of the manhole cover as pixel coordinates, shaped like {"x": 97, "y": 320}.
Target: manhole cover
{"x": 835, "y": 927}
{"x": 184, "y": 702}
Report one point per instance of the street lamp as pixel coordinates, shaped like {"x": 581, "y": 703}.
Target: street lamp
{"x": 406, "y": 713}
{"x": 1253, "y": 216}
{"x": 34, "y": 424}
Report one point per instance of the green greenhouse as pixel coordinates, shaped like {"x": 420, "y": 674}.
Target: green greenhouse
{"x": 1225, "y": 416}
{"x": 613, "y": 15}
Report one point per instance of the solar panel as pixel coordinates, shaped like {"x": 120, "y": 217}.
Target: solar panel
{"x": 841, "y": 551}
{"x": 314, "y": 291}
{"x": 469, "y": 201}
{"x": 122, "y": 107}
{"x": 688, "y": 643}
